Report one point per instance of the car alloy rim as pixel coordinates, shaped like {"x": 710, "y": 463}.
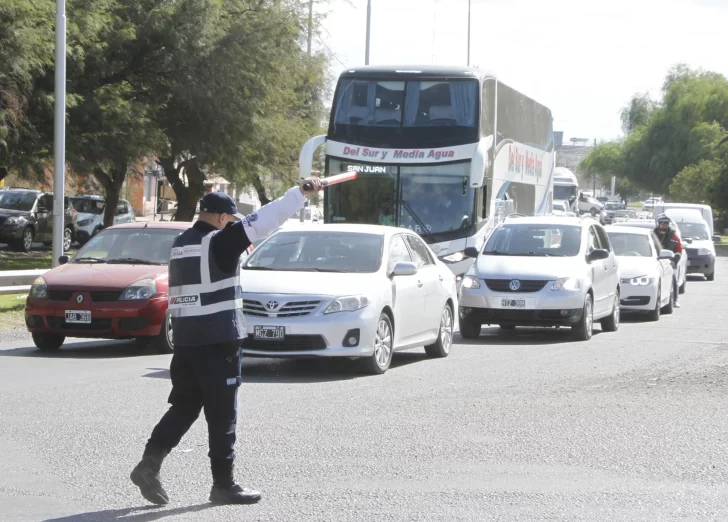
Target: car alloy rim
{"x": 66, "y": 239}
{"x": 383, "y": 343}
{"x": 616, "y": 310}
{"x": 27, "y": 239}
{"x": 446, "y": 329}
{"x": 169, "y": 329}
{"x": 589, "y": 318}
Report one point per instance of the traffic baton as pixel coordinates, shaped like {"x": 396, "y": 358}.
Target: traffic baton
{"x": 332, "y": 180}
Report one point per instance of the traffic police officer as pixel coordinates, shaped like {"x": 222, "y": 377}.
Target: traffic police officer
{"x": 205, "y": 303}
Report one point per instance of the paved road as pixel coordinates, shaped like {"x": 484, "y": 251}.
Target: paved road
{"x": 629, "y": 426}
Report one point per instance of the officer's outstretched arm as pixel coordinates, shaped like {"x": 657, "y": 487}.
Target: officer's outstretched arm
{"x": 269, "y": 217}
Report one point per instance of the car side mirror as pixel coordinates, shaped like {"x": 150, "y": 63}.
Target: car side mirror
{"x": 716, "y": 239}
{"x": 471, "y": 252}
{"x": 597, "y": 255}
{"x": 666, "y": 254}
{"x": 689, "y": 241}
{"x": 404, "y": 268}
{"x": 63, "y": 259}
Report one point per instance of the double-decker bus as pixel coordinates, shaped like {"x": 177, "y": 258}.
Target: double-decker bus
{"x": 448, "y": 152}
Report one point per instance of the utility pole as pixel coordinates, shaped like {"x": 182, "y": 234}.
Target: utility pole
{"x": 469, "y": 1}
{"x": 369, "y": 29}
{"x": 59, "y": 139}
{"x": 310, "y": 25}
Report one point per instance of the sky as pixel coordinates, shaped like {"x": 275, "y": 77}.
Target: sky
{"x": 584, "y": 59}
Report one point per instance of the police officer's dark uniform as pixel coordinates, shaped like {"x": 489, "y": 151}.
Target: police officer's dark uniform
{"x": 205, "y": 303}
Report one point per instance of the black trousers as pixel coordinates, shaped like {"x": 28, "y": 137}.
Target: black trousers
{"x": 203, "y": 377}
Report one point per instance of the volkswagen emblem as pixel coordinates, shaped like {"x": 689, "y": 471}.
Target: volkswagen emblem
{"x": 514, "y": 285}
{"x": 271, "y": 305}
{"x": 79, "y": 298}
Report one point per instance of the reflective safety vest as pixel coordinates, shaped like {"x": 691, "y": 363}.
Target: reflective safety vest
{"x": 206, "y": 303}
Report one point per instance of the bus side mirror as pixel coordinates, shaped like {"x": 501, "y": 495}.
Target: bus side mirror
{"x": 479, "y": 163}
{"x": 470, "y": 252}
{"x": 305, "y": 158}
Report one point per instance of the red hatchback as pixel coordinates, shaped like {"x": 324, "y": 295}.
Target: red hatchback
{"x": 115, "y": 287}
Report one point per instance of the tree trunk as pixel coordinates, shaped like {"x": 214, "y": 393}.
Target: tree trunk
{"x": 187, "y": 195}
{"x": 260, "y": 189}
{"x": 3, "y": 173}
{"x": 111, "y": 182}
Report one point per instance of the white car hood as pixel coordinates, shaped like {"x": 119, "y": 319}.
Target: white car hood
{"x": 633, "y": 266}
{"x": 703, "y": 243}
{"x": 309, "y": 283}
{"x": 528, "y": 267}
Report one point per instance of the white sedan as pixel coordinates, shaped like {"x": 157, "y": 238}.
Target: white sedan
{"x": 645, "y": 271}
{"x": 361, "y": 291}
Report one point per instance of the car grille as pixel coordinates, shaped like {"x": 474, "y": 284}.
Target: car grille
{"x": 636, "y": 300}
{"x": 692, "y": 252}
{"x": 292, "y": 343}
{"x": 59, "y": 323}
{"x": 503, "y": 285}
{"x": 290, "y": 309}
{"x": 97, "y": 297}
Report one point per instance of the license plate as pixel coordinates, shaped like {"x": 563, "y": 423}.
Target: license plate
{"x": 269, "y": 333}
{"x": 513, "y": 303}
{"x": 78, "y": 316}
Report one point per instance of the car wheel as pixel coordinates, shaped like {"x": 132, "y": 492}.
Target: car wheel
{"x": 163, "y": 342}
{"x": 469, "y": 329}
{"x": 25, "y": 242}
{"x": 654, "y": 315}
{"x": 378, "y": 362}
{"x": 593, "y": 211}
{"x": 611, "y": 322}
{"x": 668, "y": 308}
{"x": 710, "y": 277}
{"x": 441, "y": 347}
{"x": 67, "y": 239}
{"x": 46, "y": 342}
{"x": 583, "y": 330}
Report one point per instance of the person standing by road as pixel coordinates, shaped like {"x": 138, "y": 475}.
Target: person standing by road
{"x": 670, "y": 241}
{"x": 205, "y": 303}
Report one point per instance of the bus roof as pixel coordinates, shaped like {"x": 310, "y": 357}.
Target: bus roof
{"x": 434, "y": 71}
{"x": 564, "y": 175}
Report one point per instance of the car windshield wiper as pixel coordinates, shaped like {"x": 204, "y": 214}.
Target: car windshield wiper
{"x": 132, "y": 261}
{"x": 496, "y": 253}
{"x": 90, "y": 260}
{"x": 247, "y": 267}
{"x": 418, "y": 220}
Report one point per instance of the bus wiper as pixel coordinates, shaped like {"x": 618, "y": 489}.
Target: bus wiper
{"x": 418, "y": 220}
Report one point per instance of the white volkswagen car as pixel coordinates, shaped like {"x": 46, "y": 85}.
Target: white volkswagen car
{"x": 542, "y": 271}
{"x": 359, "y": 291}
{"x": 645, "y": 270}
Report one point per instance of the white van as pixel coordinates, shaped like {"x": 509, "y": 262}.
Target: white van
{"x": 695, "y": 231}
{"x": 705, "y": 211}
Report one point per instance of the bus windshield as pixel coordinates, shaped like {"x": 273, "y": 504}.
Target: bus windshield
{"x": 434, "y": 201}
{"x": 565, "y": 192}
{"x": 379, "y": 110}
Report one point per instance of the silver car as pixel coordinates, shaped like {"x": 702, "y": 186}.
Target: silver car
{"x": 542, "y": 271}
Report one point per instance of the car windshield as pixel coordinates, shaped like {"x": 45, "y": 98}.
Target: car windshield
{"x": 318, "y": 252}
{"x": 129, "y": 246}
{"x": 559, "y": 206}
{"x": 635, "y": 245}
{"x": 697, "y": 231}
{"x": 535, "y": 240}
{"x": 88, "y": 206}
{"x": 17, "y": 200}
{"x": 612, "y": 206}
{"x": 626, "y": 213}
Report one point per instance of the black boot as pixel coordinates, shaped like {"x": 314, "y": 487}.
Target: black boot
{"x": 146, "y": 476}
{"x": 225, "y": 490}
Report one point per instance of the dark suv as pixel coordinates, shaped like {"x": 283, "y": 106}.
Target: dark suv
{"x": 27, "y": 216}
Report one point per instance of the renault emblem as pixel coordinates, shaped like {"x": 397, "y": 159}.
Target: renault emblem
{"x": 514, "y": 285}
{"x": 79, "y": 298}
{"x": 271, "y": 305}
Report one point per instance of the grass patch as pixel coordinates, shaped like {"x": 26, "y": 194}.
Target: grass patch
{"x": 25, "y": 261}
{"x": 634, "y": 204}
{"x": 12, "y": 313}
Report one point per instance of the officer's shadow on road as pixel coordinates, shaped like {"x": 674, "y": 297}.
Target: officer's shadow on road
{"x": 96, "y": 349}
{"x": 135, "y": 514}
{"x": 526, "y": 336}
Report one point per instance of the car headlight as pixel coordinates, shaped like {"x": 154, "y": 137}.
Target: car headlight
{"x": 704, "y": 252}
{"x": 470, "y": 282}
{"x": 39, "y": 289}
{"x": 143, "y": 289}
{"x": 85, "y": 222}
{"x": 569, "y": 284}
{"x": 350, "y": 303}
{"x": 638, "y": 281}
{"x": 455, "y": 257}
{"x": 14, "y": 220}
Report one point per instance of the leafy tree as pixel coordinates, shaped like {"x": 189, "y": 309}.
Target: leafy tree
{"x": 695, "y": 183}
{"x": 637, "y": 113}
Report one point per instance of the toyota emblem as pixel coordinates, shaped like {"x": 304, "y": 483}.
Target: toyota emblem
{"x": 79, "y": 299}
{"x": 514, "y": 285}
{"x": 271, "y": 305}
